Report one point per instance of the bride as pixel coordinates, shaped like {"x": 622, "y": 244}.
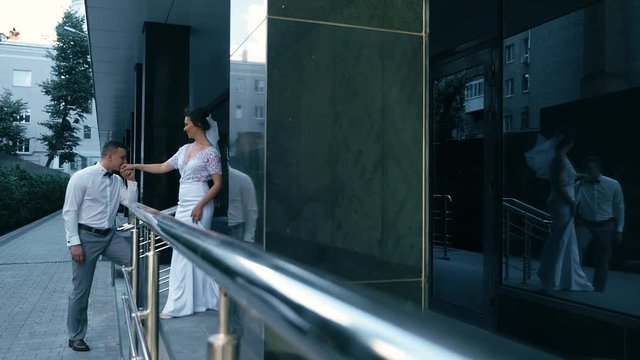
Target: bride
{"x": 190, "y": 289}
{"x": 560, "y": 261}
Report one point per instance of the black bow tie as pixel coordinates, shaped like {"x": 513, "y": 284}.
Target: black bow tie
{"x": 108, "y": 173}
{"x": 593, "y": 181}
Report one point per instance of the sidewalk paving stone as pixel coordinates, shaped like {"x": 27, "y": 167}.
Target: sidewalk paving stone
{"x": 35, "y": 282}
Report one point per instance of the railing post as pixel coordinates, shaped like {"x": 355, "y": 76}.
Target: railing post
{"x": 135, "y": 250}
{"x": 446, "y": 228}
{"x": 526, "y": 264}
{"x": 507, "y": 245}
{"x": 223, "y": 346}
{"x": 152, "y": 297}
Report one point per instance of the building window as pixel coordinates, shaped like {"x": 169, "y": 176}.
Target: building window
{"x": 259, "y": 112}
{"x": 87, "y": 132}
{"x": 508, "y": 53}
{"x": 22, "y": 78}
{"x": 526, "y": 47}
{"x": 474, "y": 89}
{"x": 25, "y": 116}
{"x": 22, "y": 146}
{"x": 524, "y": 119}
{"x": 508, "y": 123}
{"x": 79, "y": 163}
{"x": 238, "y": 111}
{"x": 239, "y": 85}
{"x": 525, "y": 83}
{"x": 508, "y": 88}
{"x": 259, "y": 86}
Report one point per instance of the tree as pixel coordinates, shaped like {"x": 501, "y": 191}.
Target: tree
{"x": 70, "y": 89}
{"x": 11, "y": 132}
{"x": 448, "y": 106}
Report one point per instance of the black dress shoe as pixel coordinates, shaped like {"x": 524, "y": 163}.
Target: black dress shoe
{"x": 78, "y": 345}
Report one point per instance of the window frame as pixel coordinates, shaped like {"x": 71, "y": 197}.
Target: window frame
{"x": 509, "y": 53}
{"x": 30, "y": 77}
{"x": 23, "y": 146}
{"x": 526, "y": 79}
{"x": 510, "y": 82}
{"x": 259, "y": 86}
{"x": 84, "y": 129}
{"x": 255, "y": 112}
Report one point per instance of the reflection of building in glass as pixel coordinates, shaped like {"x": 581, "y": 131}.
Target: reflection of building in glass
{"x": 576, "y": 56}
{"x": 78, "y": 6}
{"x": 247, "y": 114}
{"x": 22, "y": 68}
{"x": 459, "y": 105}
{"x": 248, "y": 102}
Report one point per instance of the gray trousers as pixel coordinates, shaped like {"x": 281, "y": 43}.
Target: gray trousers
{"x": 602, "y": 237}
{"x": 113, "y": 246}
{"x": 237, "y": 231}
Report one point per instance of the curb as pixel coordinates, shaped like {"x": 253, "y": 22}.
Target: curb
{"x": 7, "y": 238}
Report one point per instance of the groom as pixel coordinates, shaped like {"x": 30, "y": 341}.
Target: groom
{"x": 600, "y": 218}
{"x": 90, "y": 207}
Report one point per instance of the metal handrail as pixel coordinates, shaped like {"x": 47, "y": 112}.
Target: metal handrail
{"x": 135, "y": 329}
{"x": 529, "y": 215}
{"x": 131, "y": 312}
{"x": 319, "y": 316}
{"x": 528, "y": 209}
{"x": 534, "y": 220}
{"x": 447, "y": 201}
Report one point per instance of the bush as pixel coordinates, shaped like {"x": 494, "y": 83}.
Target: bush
{"x": 27, "y": 197}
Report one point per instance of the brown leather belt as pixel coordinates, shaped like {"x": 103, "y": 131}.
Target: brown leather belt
{"x": 94, "y": 230}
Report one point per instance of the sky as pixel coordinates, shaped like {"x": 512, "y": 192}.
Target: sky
{"x": 39, "y": 26}
{"x": 246, "y": 17}
{"x": 34, "y": 19}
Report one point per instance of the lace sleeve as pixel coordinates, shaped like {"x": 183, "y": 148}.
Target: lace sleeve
{"x": 173, "y": 161}
{"x": 212, "y": 162}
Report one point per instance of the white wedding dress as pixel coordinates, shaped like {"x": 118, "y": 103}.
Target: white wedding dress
{"x": 190, "y": 289}
{"x": 560, "y": 267}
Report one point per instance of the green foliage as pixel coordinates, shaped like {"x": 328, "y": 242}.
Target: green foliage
{"x": 27, "y": 197}
{"x": 70, "y": 88}
{"x": 448, "y": 106}
{"x": 10, "y": 129}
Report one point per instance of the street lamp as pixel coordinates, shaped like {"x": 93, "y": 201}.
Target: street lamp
{"x": 75, "y": 31}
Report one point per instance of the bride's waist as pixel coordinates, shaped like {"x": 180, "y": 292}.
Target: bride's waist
{"x": 194, "y": 183}
{"x": 568, "y": 191}
{"x": 193, "y": 188}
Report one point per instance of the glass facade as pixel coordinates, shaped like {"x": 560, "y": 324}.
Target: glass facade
{"x": 585, "y": 79}
{"x": 248, "y": 39}
{"x": 533, "y": 180}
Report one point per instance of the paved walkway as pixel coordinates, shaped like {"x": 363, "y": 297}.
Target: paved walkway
{"x": 35, "y": 281}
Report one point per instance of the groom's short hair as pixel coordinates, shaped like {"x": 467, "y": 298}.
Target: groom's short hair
{"x": 109, "y": 146}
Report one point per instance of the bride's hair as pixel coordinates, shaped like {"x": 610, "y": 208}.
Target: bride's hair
{"x": 198, "y": 117}
{"x": 565, "y": 138}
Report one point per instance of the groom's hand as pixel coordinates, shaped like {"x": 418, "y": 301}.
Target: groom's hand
{"x": 619, "y": 237}
{"x": 127, "y": 174}
{"x": 77, "y": 254}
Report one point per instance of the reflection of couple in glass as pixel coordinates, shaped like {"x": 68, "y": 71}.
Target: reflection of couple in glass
{"x": 560, "y": 267}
